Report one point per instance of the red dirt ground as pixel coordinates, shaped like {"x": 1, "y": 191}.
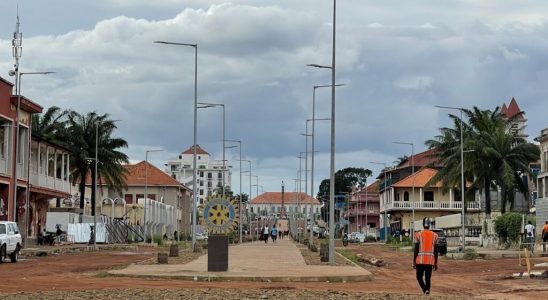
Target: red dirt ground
{"x": 478, "y": 278}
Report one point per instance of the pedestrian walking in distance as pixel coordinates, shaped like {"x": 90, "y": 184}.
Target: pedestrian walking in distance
{"x": 274, "y": 234}
{"x": 530, "y": 236}
{"x": 425, "y": 255}
{"x": 266, "y": 233}
{"x": 544, "y": 236}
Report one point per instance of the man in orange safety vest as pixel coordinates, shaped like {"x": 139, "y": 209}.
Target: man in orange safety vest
{"x": 425, "y": 255}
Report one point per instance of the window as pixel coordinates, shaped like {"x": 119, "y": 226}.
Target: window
{"x": 201, "y": 183}
{"x": 140, "y": 196}
{"x": 220, "y": 175}
{"x": 429, "y": 196}
{"x": 51, "y": 164}
{"x": 2, "y": 229}
{"x": 209, "y": 175}
{"x": 201, "y": 192}
{"x": 251, "y": 211}
{"x": 201, "y": 173}
{"x": 173, "y": 167}
{"x": 128, "y": 198}
{"x": 209, "y": 184}
{"x": 59, "y": 165}
{"x": 406, "y": 196}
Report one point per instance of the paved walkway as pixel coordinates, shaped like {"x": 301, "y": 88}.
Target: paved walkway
{"x": 255, "y": 261}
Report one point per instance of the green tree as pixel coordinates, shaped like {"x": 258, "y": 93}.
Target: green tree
{"x": 49, "y": 125}
{"x": 80, "y": 137}
{"x": 219, "y": 190}
{"x": 345, "y": 179}
{"x": 497, "y": 156}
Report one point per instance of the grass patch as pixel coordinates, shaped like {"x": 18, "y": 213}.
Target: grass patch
{"x": 470, "y": 254}
{"x": 102, "y": 274}
{"x": 349, "y": 254}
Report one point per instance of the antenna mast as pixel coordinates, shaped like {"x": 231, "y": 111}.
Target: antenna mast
{"x": 17, "y": 43}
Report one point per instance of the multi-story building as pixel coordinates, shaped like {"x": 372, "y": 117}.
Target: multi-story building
{"x": 45, "y": 163}
{"x": 519, "y": 122}
{"x": 408, "y": 190}
{"x": 541, "y": 206}
{"x": 210, "y": 172}
{"x": 364, "y": 208}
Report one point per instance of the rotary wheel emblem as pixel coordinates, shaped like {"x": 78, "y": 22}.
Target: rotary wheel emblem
{"x": 220, "y": 215}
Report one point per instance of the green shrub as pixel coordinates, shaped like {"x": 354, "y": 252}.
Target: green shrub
{"x": 508, "y": 227}
{"x": 158, "y": 239}
{"x": 470, "y": 254}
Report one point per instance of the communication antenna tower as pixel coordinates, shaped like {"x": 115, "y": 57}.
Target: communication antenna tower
{"x": 17, "y": 44}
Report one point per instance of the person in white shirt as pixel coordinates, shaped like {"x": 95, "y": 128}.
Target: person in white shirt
{"x": 266, "y": 233}
{"x": 530, "y": 235}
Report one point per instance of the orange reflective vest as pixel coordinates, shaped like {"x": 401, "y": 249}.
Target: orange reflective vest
{"x": 545, "y": 229}
{"x": 426, "y": 239}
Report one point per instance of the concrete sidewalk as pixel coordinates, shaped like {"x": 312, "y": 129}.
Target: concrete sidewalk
{"x": 257, "y": 261}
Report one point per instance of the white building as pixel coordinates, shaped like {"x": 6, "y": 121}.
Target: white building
{"x": 209, "y": 174}
{"x": 542, "y": 179}
{"x": 271, "y": 203}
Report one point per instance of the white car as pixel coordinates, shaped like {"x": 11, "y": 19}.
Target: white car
{"x": 10, "y": 241}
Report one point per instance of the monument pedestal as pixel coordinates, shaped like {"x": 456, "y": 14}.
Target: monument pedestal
{"x": 217, "y": 253}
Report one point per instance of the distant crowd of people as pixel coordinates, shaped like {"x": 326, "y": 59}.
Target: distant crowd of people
{"x": 272, "y": 233}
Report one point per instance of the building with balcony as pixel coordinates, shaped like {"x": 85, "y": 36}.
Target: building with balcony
{"x": 209, "y": 176}
{"x": 364, "y": 208}
{"x": 45, "y": 163}
{"x": 407, "y": 190}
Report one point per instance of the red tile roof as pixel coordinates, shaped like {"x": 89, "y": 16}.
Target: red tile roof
{"x": 289, "y": 198}
{"x": 513, "y": 110}
{"x": 199, "y": 150}
{"x": 422, "y": 159}
{"x": 421, "y": 178}
{"x": 154, "y": 176}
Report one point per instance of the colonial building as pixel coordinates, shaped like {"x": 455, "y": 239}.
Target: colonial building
{"x": 210, "y": 172}
{"x": 407, "y": 191}
{"x": 364, "y": 208}
{"x": 46, "y": 164}
{"x": 144, "y": 178}
{"x": 519, "y": 122}
{"x": 270, "y": 204}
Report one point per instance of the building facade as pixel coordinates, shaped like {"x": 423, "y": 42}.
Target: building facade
{"x": 364, "y": 208}
{"x": 42, "y": 168}
{"x": 541, "y": 206}
{"x": 209, "y": 175}
{"x": 143, "y": 179}
{"x": 294, "y": 203}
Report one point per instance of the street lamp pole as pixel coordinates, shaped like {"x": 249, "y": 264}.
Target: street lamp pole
{"x": 249, "y": 200}
{"x": 332, "y": 148}
{"x": 385, "y": 196}
{"x": 239, "y": 200}
{"x": 463, "y": 217}
{"x": 224, "y": 131}
{"x": 413, "y": 187}
{"x": 146, "y": 195}
{"x": 195, "y": 134}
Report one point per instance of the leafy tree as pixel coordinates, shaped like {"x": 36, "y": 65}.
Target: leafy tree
{"x": 345, "y": 179}
{"x": 219, "y": 191}
{"x": 80, "y": 136}
{"x": 49, "y": 125}
{"x": 497, "y": 157}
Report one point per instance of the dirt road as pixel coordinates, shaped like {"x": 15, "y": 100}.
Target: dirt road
{"x": 70, "y": 275}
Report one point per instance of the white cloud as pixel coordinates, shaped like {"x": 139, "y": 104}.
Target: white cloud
{"x": 414, "y": 82}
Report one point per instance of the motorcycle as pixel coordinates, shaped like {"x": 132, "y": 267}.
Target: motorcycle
{"x": 345, "y": 240}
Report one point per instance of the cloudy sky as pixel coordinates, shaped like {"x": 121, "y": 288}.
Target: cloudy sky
{"x": 398, "y": 59}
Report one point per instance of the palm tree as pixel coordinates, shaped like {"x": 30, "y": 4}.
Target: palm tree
{"x": 50, "y": 124}
{"x": 498, "y": 157}
{"x": 81, "y": 135}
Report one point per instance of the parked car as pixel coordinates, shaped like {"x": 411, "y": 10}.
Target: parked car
{"x": 201, "y": 237}
{"x": 10, "y": 241}
{"x": 359, "y": 237}
{"x": 442, "y": 241}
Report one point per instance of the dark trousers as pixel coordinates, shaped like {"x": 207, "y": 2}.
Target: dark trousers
{"x": 426, "y": 272}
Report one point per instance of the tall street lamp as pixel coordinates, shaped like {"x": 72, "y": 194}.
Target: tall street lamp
{"x": 18, "y": 78}
{"x": 239, "y": 200}
{"x": 385, "y": 196}
{"x": 224, "y": 131}
{"x": 249, "y": 200}
{"x": 463, "y": 218}
{"x": 413, "y": 187}
{"x": 195, "y": 46}
{"x": 146, "y": 194}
